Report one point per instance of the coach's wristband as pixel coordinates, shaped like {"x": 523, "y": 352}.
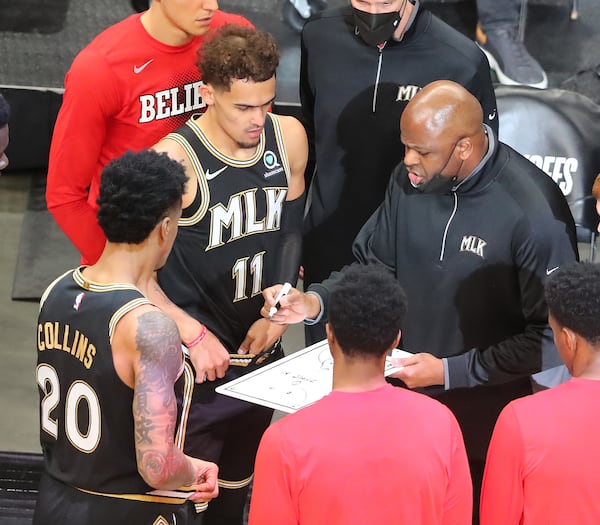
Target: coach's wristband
{"x": 198, "y": 339}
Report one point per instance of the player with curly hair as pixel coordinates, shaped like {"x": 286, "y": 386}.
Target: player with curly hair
{"x": 108, "y": 361}
{"x": 240, "y": 232}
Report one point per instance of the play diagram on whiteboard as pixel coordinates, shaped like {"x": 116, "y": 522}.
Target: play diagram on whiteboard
{"x": 291, "y": 383}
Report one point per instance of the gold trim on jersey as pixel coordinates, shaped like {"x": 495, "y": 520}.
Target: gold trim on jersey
{"x": 233, "y": 485}
{"x": 201, "y": 507}
{"x": 200, "y": 178}
{"x": 241, "y": 359}
{"x": 186, "y": 402}
{"x": 148, "y": 498}
{"x": 254, "y": 359}
{"x": 199, "y": 171}
{"x": 99, "y": 287}
{"x": 281, "y": 146}
{"x": 260, "y": 148}
{"x": 50, "y": 286}
{"x": 121, "y": 312}
{"x": 92, "y": 286}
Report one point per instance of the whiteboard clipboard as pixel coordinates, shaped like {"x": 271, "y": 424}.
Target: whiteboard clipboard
{"x": 293, "y": 382}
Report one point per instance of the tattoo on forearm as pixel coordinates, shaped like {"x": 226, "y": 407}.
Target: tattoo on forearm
{"x": 154, "y": 463}
{"x": 143, "y": 428}
{"x": 154, "y": 406}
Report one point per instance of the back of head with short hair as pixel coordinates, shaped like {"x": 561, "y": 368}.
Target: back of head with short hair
{"x": 4, "y": 111}
{"x": 573, "y": 297}
{"x": 136, "y": 191}
{"x": 237, "y": 53}
{"x": 366, "y": 310}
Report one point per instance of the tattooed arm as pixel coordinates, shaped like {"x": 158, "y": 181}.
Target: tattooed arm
{"x": 209, "y": 357}
{"x": 150, "y": 342}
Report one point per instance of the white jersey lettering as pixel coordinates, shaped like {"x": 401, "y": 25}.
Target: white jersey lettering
{"x": 240, "y": 216}
{"x": 170, "y": 102}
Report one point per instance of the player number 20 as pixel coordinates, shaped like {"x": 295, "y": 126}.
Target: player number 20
{"x": 78, "y": 392}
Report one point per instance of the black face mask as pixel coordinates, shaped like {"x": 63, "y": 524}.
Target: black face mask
{"x": 375, "y": 28}
{"x": 439, "y": 183}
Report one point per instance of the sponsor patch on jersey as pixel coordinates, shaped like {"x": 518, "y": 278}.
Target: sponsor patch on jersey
{"x": 272, "y": 164}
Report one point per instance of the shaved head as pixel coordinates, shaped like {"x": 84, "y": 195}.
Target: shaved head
{"x": 443, "y": 135}
{"x": 446, "y": 109}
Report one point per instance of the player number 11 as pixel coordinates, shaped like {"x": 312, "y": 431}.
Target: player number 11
{"x": 239, "y": 273}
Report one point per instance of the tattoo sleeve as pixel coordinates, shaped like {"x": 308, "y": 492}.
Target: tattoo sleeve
{"x": 160, "y": 463}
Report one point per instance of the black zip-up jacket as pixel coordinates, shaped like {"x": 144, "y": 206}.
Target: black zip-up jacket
{"x": 473, "y": 264}
{"x": 352, "y": 98}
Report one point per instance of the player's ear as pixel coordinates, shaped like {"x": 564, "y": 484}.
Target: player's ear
{"x": 207, "y": 93}
{"x": 164, "y": 227}
{"x": 464, "y": 147}
{"x": 570, "y": 338}
{"x": 330, "y": 335}
{"x": 397, "y": 340}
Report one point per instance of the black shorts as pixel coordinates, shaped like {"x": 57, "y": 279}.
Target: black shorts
{"x": 215, "y": 421}
{"x": 227, "y": 431}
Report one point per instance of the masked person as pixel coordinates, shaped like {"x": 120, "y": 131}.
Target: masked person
{"x": 360, "y": 66}
{"x": 471, "y": 229}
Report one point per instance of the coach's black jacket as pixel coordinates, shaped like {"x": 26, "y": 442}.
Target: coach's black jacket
{"x": 473, "y": 264}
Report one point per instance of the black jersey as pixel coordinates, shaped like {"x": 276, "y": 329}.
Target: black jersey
{"x": 226, "y": 249}
{"x": 87, "y": 427}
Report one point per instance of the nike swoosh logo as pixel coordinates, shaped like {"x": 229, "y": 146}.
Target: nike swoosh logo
{"x": 549, "y": 271}
{"x": 139, "y": 69}
{"x": 211, "y": 176}
{"x": 492, "y": 116}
